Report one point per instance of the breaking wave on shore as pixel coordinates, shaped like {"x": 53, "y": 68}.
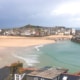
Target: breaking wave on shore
{"x": 32, "y": 57}
{"x": 31, "y": 60}
{"x": 37, "y": 47}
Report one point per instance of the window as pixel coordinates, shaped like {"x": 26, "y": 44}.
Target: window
{"x": 65, "y": 78}
{"x": 19, "y": 76}
{"x": 16, "y": 77}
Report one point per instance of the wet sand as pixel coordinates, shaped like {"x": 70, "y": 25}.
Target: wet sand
{"x": 11, "y": 44}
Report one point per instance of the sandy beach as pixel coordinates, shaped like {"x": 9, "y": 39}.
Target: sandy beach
{"x": 14, "y": 41}
{"x": 8, "y": 41}
{"x": 8, "y": 45}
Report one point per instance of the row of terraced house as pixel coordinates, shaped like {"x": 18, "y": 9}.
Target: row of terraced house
{"x": 17, "y": 72}
{"x": 30, "y": 30}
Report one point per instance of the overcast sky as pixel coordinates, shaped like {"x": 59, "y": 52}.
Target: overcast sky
{"x": 15, "y": 13}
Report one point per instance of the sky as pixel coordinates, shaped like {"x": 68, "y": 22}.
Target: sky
{"x": 17, "y": 13}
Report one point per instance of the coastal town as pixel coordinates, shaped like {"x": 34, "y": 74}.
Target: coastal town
{"x": 16, "y": 71}
{"x": 41, "y": 31}
{"x": 39, "y": 40}
{"x": 37, "y": 31}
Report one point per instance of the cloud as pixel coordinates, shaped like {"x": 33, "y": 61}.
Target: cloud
{"x": 67, "y": 8}
{"x": 75, "y": 19}
{"x": 38, "y": 12}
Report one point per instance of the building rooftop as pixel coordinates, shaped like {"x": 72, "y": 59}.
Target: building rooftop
{"x": 66, "y": 76}
{"x": 49, "y": 73}
{"x": 26, "y": 70}
{"x": 4, "y": 72}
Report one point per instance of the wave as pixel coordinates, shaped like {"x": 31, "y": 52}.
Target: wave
{"x": 37, "y": 47}
{"x": 31, "y": 60}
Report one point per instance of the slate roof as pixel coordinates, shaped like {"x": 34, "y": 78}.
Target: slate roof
{"x": 49, "y": 73}
{"x": 4, "y": 72}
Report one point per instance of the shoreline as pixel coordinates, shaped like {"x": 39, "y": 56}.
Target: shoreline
{"x": 23, "y": 42}
{"x": 9, "y": 45}
{"x": 16, "y": 41}
{"x": 16, "y": 56}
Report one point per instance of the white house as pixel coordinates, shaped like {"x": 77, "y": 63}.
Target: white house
{"x": 73, "y": 31}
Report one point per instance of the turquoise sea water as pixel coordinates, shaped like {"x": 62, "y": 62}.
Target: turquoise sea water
{"x": 64, "y": 54}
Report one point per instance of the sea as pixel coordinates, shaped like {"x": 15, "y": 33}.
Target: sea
{"x": 62, "y": 54}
